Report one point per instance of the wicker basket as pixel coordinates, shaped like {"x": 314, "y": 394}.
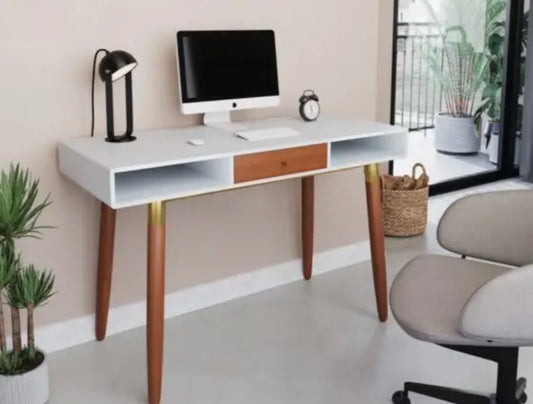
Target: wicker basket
{"x": 405, "y": 211}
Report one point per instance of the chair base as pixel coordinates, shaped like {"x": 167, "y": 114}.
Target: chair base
{"x": 455, "y": 395}
{"x": 509, "y": 389}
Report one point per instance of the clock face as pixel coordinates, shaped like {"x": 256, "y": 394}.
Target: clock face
{"x": 311, "y": 110}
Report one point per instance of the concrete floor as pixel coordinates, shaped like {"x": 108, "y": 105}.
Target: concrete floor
{"x": 441, "y": 167}
{"x": 308, "y": 342}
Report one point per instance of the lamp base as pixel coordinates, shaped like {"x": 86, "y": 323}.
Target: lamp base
{"x": 120, "y": 139}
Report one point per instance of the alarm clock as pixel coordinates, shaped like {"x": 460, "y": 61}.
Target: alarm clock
{"x": 309, "y": 106}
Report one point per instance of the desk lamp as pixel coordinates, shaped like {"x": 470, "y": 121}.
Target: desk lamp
{"x": 115, "y": 65}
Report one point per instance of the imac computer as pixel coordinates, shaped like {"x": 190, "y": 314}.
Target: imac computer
{"x": 223, "y": 71}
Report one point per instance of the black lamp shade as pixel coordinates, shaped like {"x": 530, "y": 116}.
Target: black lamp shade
{"x": 117, "y": 64}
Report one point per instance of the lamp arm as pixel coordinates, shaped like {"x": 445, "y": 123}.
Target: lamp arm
{"x": 92, "y": 87}
{"x": 129, "y": 106}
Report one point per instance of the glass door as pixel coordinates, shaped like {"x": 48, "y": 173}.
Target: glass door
{"x": 454, "y": 88}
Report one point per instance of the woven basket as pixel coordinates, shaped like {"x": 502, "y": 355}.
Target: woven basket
{"x": 405, "y": 212}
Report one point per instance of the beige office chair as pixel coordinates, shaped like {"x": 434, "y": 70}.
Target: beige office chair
{"x": 471, "y": 306}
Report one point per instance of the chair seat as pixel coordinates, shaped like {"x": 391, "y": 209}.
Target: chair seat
{"x": 429, "y": 293}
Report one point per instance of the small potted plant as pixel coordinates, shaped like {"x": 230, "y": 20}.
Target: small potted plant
{"x": 23, "y": 369}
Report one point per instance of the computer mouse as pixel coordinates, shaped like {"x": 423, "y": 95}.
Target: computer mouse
{"x": 196, "y": 142}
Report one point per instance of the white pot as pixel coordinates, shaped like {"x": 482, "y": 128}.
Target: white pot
{"x": 494, "y": 150}
{"x": 28, "y": 388}
{"x": 456, "y": 135}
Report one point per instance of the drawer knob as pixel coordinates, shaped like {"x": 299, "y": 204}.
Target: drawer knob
{"x": 284, "y": 164}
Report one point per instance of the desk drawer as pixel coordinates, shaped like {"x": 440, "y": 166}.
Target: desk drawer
{"x": 257, "y": 166}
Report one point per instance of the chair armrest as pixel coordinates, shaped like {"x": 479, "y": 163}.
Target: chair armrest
{"x": 494, "y": 226}
{"x": 502, "y": 309}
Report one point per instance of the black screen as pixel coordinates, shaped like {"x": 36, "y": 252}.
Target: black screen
{"x": 220, "y": 65}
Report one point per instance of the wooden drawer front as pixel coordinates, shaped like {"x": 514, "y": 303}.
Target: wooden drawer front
{"x": 258, "y": 166}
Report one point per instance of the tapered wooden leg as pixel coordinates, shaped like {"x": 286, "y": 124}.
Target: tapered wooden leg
{"x": 156, "y": 299}
{"x": 377, "y": 238}
{"x": 308, "y": 211}
{"x": 105, "y": 268}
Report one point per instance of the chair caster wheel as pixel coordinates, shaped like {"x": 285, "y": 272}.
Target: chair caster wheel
{"x": 523, "y": 398}
{"x": 400, "y": 397}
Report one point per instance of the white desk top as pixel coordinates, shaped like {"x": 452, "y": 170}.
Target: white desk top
{"x": 161, "y": 165}
{"x": 162, "y": 147}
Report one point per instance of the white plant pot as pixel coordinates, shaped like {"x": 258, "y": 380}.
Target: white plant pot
{"x": 494, "y": 150}
{"x": 456, "y": 135}
{"x": 28, "y": 388}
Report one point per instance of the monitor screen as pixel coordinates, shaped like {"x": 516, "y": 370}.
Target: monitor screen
{"x": 222, "y": 65}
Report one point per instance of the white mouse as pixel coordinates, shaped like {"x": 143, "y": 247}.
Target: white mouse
{"x": 196, "y": 142}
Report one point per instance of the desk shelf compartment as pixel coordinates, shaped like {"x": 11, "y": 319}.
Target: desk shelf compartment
{"x": 135, "y": 187}
{"x": 365, "y": 150}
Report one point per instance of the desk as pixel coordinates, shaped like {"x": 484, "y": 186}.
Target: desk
{"x": 161, "y": 166}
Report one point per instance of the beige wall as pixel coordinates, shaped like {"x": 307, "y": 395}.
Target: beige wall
{"x": 46, "y": 51}
{"x": 385, "y": 29}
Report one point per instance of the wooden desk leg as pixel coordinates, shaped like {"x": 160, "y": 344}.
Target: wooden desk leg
{"x": 308, "y": 211}
{"x": 105, "y": 268}
{"x": 156, "y": 299}
{"x": 377, "y": 238}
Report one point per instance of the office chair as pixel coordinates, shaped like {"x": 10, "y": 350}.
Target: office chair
{"x": 475, "y": 307}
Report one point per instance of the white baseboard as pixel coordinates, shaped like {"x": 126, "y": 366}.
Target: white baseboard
{"x": 77, "y": 331}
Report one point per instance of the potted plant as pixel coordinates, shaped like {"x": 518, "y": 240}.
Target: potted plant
{"x": 23, "y": 370}
{"x": 491, "y": 96}
{"x": 459, "y": 68}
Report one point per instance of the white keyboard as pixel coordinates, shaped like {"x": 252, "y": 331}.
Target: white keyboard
{"x": 254, "y": 135}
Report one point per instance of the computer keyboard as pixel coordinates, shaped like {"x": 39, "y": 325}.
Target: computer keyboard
{"x": 254, "y": 135}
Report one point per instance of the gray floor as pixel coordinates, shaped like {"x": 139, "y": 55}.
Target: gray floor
{"x": 440, "y": 167}
{"x": 307, "y": 342}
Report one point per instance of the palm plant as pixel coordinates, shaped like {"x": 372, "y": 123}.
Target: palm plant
{"x": 455, "y": 62}
{"x": 19, "y": 213}
{"x": 18, "y": 209}
{"x": 30, "y": 289}
{"x": 460, "y": 74}
{"x": 9, "y": 265}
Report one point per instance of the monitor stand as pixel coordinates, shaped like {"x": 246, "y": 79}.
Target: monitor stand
{"x": 222, "y": 121}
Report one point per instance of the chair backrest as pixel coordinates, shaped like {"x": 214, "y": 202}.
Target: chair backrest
{"x": 494, "y": 226}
